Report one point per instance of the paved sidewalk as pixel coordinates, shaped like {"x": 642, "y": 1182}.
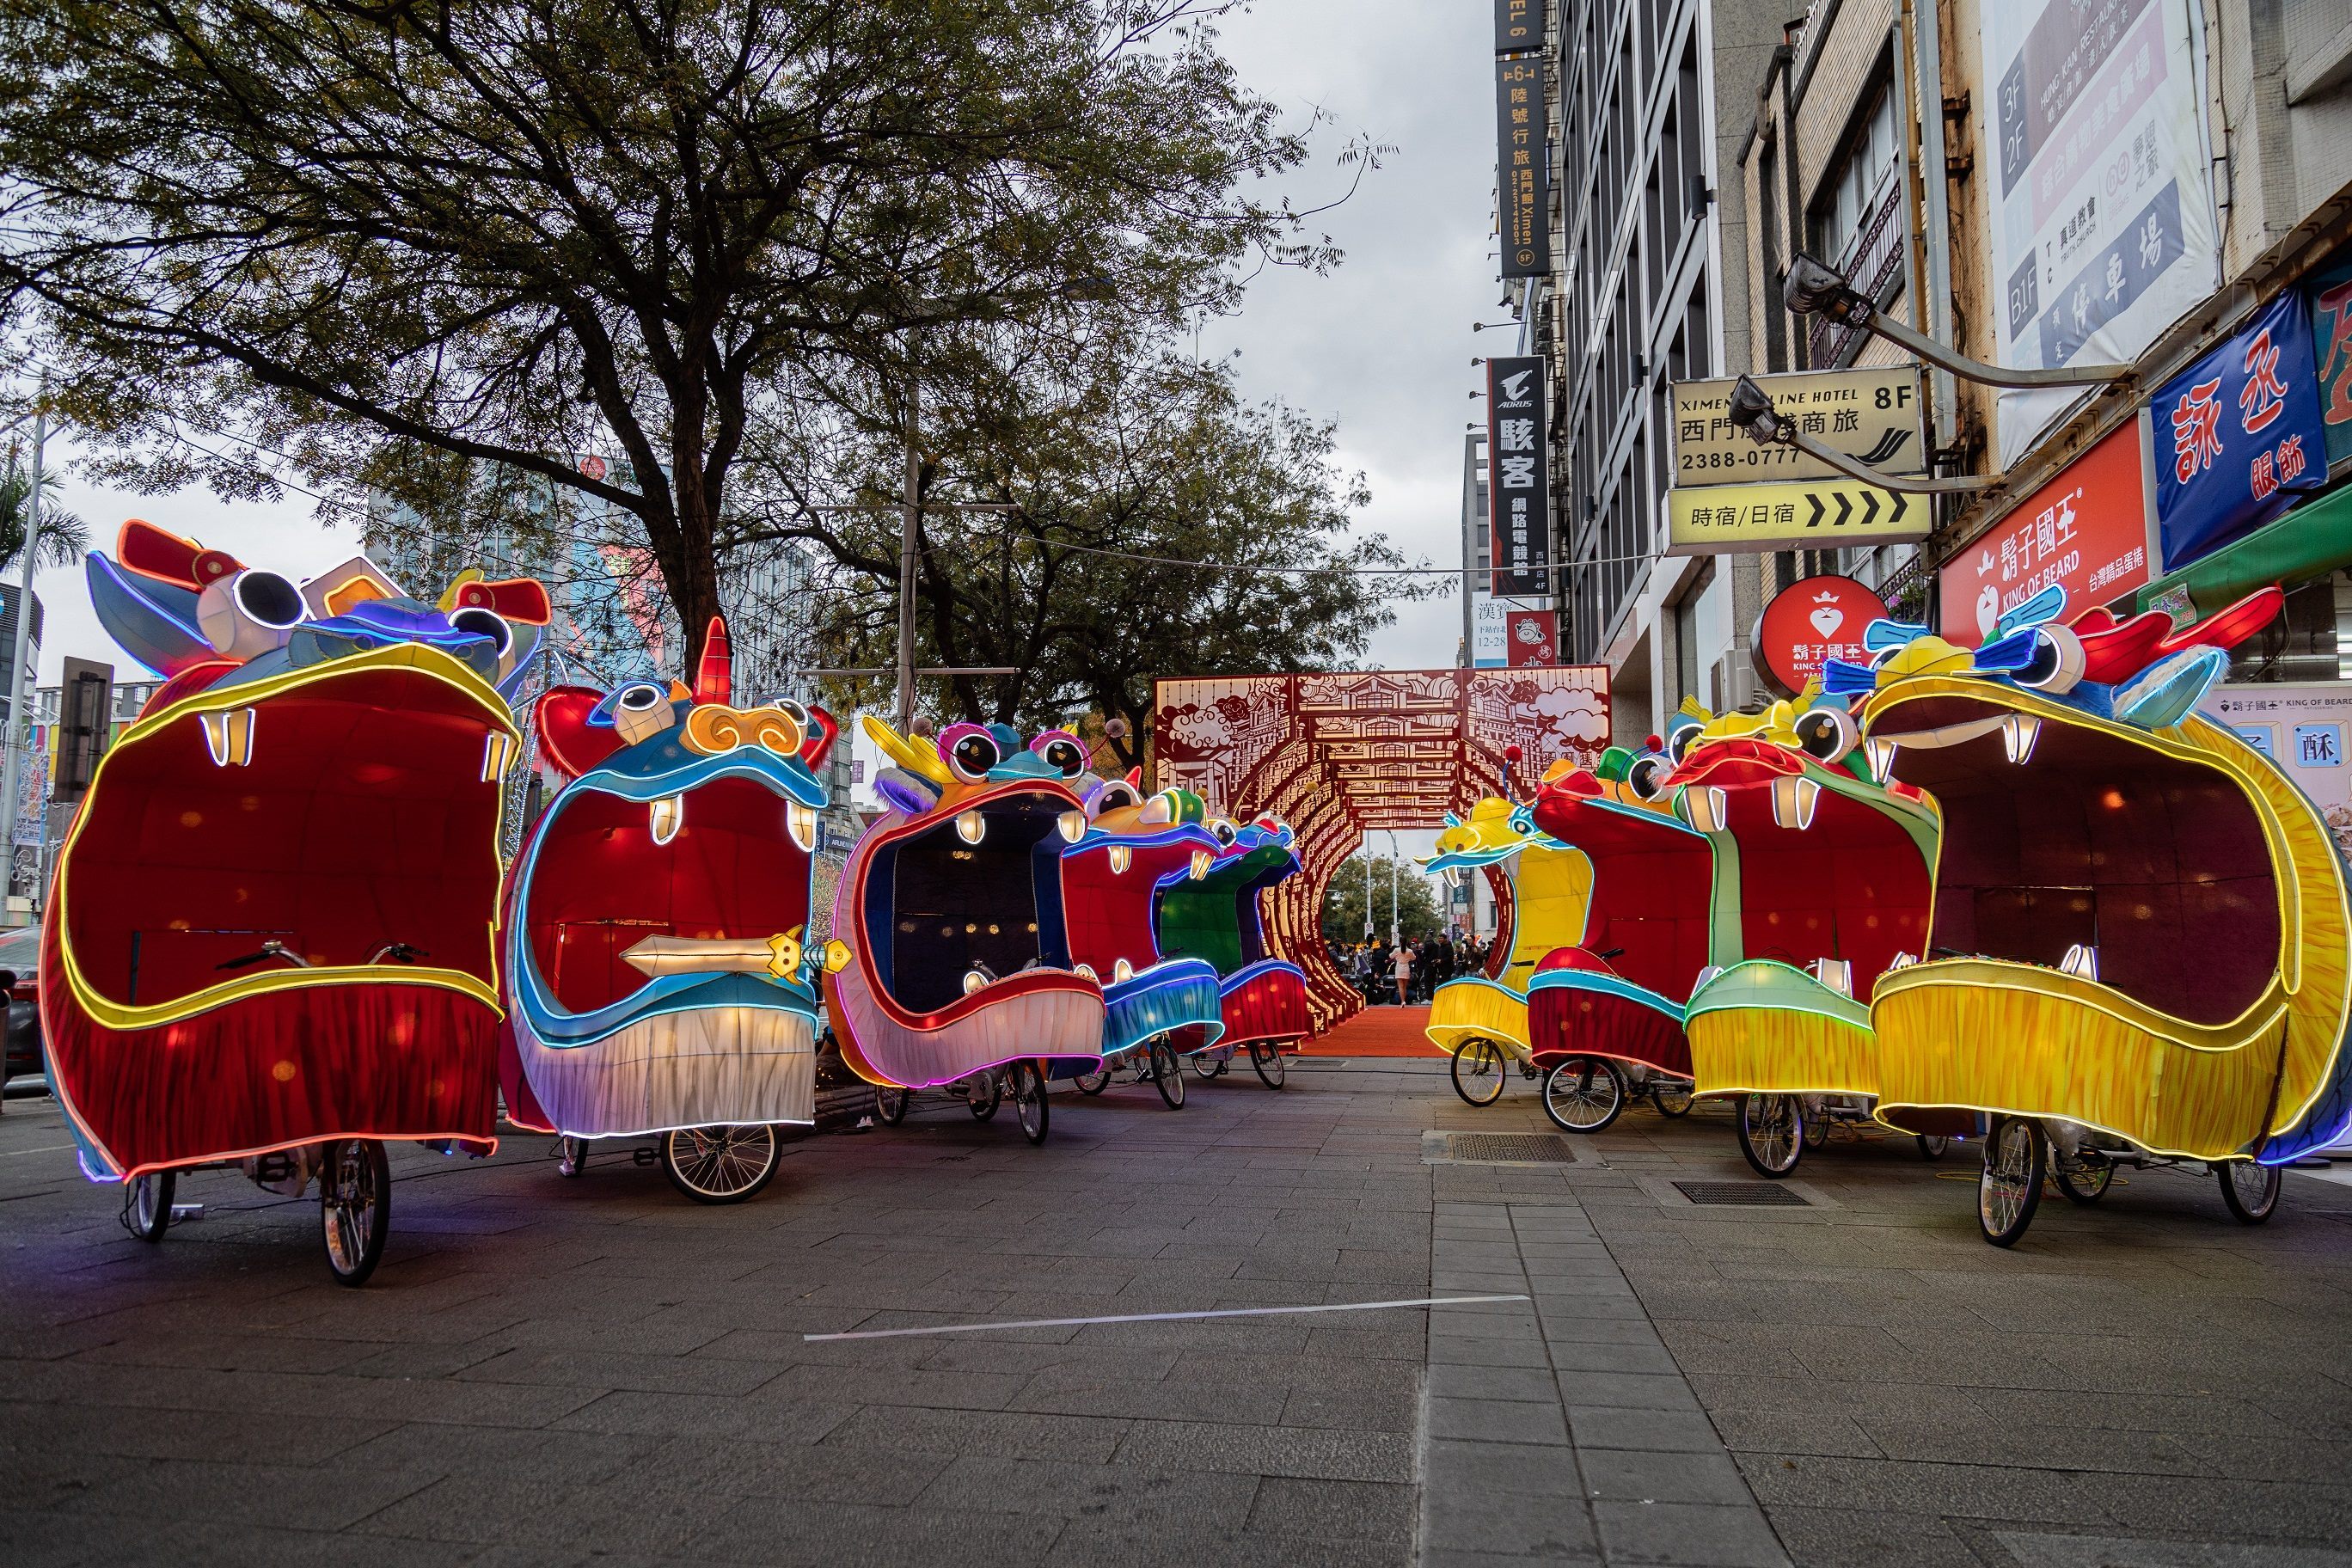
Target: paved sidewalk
{"x": 559, "y": 1372}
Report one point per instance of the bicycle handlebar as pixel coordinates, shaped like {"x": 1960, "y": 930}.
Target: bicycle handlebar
{"x": 270, "y": 949}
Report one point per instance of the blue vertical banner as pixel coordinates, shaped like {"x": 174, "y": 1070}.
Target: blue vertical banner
{"x": 2237, "y": 435}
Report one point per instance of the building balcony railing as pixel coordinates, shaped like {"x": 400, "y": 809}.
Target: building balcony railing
{"x": 1873, "y": 259}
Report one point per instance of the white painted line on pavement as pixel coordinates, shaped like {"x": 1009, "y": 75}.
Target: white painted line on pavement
{"x": 1156, "y": 1317}
{"x": 44, "y": 1149}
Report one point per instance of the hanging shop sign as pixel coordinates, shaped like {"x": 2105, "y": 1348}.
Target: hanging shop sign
{"x": 1518, "y": 25}
{"x": 2304, "y": 730}
{"x": 2331, "y": 349}
{"x": 1490, "y": 631}
{"x": 2239, "y": 438}
{"x": 2101, "y": 218}
{"x": 1811, "y": 622}
{"x": 1810, "y": 514}
{"x": 1534, "y": 638}
{"x": 1871, "y": 415}
{"x": 1517, "y": 477}
{"x": 1520, "y": 167}
{"x": 2089, "y": 531}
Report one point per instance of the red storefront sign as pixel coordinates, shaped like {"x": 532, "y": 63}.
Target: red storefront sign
{"x": 1533, "y": 637}
{"x": 2086, "y": 532}
{"x": 1811, "y": 622}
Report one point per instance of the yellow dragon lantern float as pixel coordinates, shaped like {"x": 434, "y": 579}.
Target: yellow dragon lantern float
{"x": 2140, "y": 940}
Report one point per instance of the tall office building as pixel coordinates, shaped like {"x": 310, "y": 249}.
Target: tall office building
{"x": 1649, "y": 101}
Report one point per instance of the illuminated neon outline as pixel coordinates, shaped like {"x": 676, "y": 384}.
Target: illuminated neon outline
{"x": 123, "y": 1018}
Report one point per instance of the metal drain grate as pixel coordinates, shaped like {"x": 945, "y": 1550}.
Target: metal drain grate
{"x": 1509, "y": 1148}
{"x": 1751, "y": 1195}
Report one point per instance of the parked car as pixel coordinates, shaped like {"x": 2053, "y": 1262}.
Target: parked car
{"x": 20, "y": 960}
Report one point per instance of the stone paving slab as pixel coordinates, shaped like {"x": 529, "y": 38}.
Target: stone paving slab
{"x": 563, "y": 1372}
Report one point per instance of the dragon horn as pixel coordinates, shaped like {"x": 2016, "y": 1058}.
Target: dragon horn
{"x": 714, "y": 673}
{"x": 918, "y": 757}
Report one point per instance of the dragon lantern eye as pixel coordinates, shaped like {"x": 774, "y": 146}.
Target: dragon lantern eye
{"x": 1113, "y": 796}
{"x": 794, "y": 711}
{"x": 640, "y": 697}
{"x": 973, "y": 755}
{"x": 2057, "y": 663}
{"x": 1066, "y": 757}
{"x": 1826, "y": 733}
{"x": 1647, "y": 778}
{"x": 1225, "y": 831}
{"x": 483, "y": 623}
{"x": 1679, "y": 743}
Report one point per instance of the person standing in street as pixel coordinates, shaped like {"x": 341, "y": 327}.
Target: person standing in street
{"x": 1403, "y": 971}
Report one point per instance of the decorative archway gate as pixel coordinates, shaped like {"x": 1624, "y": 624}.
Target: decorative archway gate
{"x": 1338, "y": 755}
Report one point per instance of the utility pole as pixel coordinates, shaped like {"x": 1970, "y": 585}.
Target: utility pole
{"x": 906, "y": 553}
{"x": 9, "y": 746}
{"x": 1368, "y": 887}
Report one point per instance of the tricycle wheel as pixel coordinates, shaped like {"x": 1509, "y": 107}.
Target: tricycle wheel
{"x": 1029, "y": 1100}
{"x": 1672, "y": 1099}
{"x": 1817, "y": 1122}
{"x": 721, "y": 1164}
{"x": 983, "y": 1092}
{"x": 890, "y": 1103}
{"x": 1167, "y": 1074}
{"x": 1478, "y": 1071}
{"x": 1932, "y": 1144}
{"x": 571, "y": 1155}
{"x": 1094, "y": 1082}
{"x": 2084, "y": 1181}
{"x": 1583, "y": 1094}
{"x": 355, "y": 1207}
{"x": 2251, "y": 1191}
{"x": 2010, "y": 1189}
{"x": 1207, "y": 1065}
{"x": 147, "y": 1206}
{"x": 1772, "y": 1133}
{"x": 1266, "y": 1057}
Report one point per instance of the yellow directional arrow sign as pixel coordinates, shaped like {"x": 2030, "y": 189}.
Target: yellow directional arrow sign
{"x": 1808, "y": 514}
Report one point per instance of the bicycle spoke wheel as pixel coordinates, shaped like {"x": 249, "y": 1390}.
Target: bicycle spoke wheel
{"x": 720, "y": 1165}
{"x": 2251, "y": 1191}
{"x": 355, "y": 1207}
{"x": 1583, "y": 1094}
{"x": 147, "y": 1206}
{"x": 2084, "y": 1181}
{"x": 2010, "y": 1189}
{"x": 1477, "y": 1071}
{"x": 1266, "y": 1058}
{"x": 1029, "y": 1100}
{"x": 1772, "y": 1133}
{"x": 1167, "y": 1074}
{"x": 983, "y": 1092}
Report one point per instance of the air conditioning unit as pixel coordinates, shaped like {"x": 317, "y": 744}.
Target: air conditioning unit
{"x": 1731, "y": 684}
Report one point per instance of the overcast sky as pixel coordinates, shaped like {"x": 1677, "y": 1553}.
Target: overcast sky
{"x": 1382, "y": 344}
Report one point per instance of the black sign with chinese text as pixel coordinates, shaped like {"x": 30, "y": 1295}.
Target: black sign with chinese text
{"x": 1517, "y": 477}
{"x": 1520, "y": 175}
{"x": 1518, "y": 25}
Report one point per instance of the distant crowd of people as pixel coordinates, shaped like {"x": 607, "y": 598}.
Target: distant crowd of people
{"x": 1409, "y": 971}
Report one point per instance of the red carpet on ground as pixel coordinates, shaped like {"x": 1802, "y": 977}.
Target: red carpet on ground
{"x": 1376, "y": 1032}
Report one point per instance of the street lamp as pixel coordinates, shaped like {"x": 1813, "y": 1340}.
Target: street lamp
{"x": 1752, "y": 411}
{"x": 1814, "y": 288}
